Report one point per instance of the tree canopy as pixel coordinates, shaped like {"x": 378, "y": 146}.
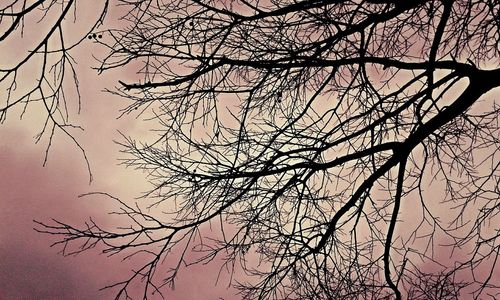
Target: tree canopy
{"x": 299, "y": 141}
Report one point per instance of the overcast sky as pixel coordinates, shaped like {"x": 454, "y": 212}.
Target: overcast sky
{"x": 29, "y": 267}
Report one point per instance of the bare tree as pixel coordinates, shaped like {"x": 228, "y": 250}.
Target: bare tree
{"x": 306, "y": 134}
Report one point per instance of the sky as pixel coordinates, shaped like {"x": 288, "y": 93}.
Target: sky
{"x": 29, "y": 267}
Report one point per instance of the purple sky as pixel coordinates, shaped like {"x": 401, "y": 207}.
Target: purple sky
{"x": 29, "y": 268}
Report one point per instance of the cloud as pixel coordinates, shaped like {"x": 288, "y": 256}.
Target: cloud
{"x": 29, "y": 269}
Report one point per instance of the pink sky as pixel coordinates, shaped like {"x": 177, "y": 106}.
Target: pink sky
{"x": 29, "y": 268}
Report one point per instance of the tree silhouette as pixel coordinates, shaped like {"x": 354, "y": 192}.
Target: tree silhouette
{"x": 299, "y": 140}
